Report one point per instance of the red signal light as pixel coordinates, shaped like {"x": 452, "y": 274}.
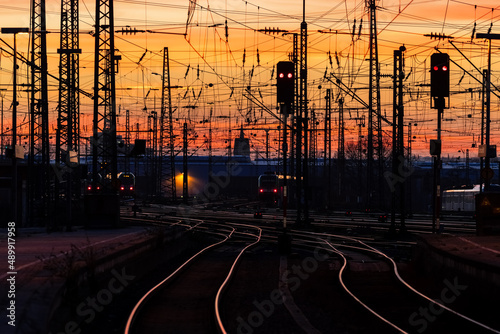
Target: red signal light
{"x": 122, "y": 188}
{"x": 261, "y": 190}
{"x": 275, "y": 190}
{"x": 282, "y": 75}
{"x": 131, "y": 188}
{"x": 445, "y": 68}
{"x": 436, "y": 68}
{"x": 290, "y": 75}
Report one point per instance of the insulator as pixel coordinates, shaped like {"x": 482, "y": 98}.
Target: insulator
{"x": 360, "y": 25}
{"x": 330, "y": 58}
{"x": 459, "y": 81}
{"x": 187, "y": 71}
{"x": 244, "y": 55}
{"x": 142, "y": 57}
{"x": 258, "y": 57}
{"x": 227, "y": 32}
{"x": 354, "y": 28}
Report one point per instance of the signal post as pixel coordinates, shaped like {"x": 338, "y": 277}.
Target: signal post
{"x": 440, "y": 91}
{"x": 284, "y": 93}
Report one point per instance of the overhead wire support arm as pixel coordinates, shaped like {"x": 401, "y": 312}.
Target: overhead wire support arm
{"x": 336, "y": 32}
{"x": 349, "y": 91}
{"x": 475, "y": 67}
{"x": 34, "y": 66}
{"x": 473, "y": 77}
{"x": 254, "y": 100}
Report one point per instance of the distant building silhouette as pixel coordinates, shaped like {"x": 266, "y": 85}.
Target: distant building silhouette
{"x": 242, "y": 145}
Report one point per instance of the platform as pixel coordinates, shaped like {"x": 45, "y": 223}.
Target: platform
{"x": 477, "y": 257}
{"x": 33, "y": 289}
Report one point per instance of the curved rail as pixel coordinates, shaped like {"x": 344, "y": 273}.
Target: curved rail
{"x": 229, "y": 276}
{"x": 151, "y": 291}
{"x": 353, "y": 295}
{"x": 406, "y": 284}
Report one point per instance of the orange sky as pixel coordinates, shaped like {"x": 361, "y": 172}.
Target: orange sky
{"x": 217, "y": 66}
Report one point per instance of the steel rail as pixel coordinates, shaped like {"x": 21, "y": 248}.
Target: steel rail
{"x": 140, "y": 303}
{"x": 396, "y": 272}
{"x": 218, "y": 318}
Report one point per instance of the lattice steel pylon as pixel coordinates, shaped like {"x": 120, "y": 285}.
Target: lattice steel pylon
{"x": 166, "y": 180}
{"x": 341, "y": 148}
{"x": 104, "y": 150}
{"x": 303, "y": 205}
{"x": 39, "y": 157}
{"x": 374, "y": 120}
{"x": 68, "y": 120}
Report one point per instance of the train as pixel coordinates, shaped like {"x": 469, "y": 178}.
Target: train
{"x": 269, "y": 188}
{"x": 126, "y": 185}
{"x": 126, "y": 181}
{"x": 462, "y": 200}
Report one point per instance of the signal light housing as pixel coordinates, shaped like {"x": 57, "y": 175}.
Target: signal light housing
{"x": 440, "y": 75}
{"x": 285, "y": 82}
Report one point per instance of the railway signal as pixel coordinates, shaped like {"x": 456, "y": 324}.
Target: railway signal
{"x": 440, "y": 75}
{"x": 285, "y": 82}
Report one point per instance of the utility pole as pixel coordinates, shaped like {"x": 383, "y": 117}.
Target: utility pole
{"x": 327, "y": 158}
{"x": 483, "y": 127}
{"x": 39, "y": 158}
{"x": 410, "y": 166}
{"x": 127, "y": 140}
{"x": 167, "y": 169}
{"x": 490, "y": 150}
{"x": 399, "y": 60}
{"x": 185, "y": 193}
{"x": 153, "y": 153}
{"x": 374, "y": 142}
{"x": 341, "y": 148}
{"x": 303, "y": 200}
{"x": 14, "y": 183}
{"x": 104, "y": 205}
{"x": 68, "y": 120}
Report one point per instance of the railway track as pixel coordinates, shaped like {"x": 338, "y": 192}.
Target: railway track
{"x": 183, "y": 295}
{"x": 397, "y": 304}
{"x": 376, "y": 299}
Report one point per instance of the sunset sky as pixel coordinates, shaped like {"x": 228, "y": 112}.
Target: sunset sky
{"x": 214, "y": 71}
